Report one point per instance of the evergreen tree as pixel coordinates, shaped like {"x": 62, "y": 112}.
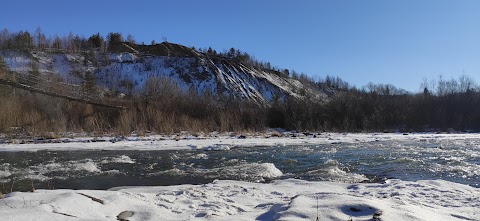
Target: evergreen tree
{"x": 76, "y": 44}
{"x": 23, "y": 40}
{"x": 231, "y": 53}
{"x": 57, "y": 43}
{"x": 114, "y": 38}
{"x": 96, "y": 40}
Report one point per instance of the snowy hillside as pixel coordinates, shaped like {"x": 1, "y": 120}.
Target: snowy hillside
{"x": 127, "y": 70}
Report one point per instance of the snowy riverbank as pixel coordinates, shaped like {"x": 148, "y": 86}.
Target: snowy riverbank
{"x": 288, "y": 199}
{"x": 217, "y": 141}
{"x": 235, "y": 200}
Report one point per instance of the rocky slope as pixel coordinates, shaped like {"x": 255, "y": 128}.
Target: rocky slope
{"x": 126, "y": 69}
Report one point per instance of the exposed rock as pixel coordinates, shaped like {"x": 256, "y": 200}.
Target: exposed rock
{"x": 123, "y": 216}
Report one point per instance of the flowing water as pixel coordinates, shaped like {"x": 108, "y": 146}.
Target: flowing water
{"x": 452, "y": 160}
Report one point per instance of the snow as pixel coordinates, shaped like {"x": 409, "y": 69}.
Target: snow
{"x": 289, "y": 199}
{"x": 332, "y": 172}
{"x": 4, "y": 174}
{"x": 223, "y": 142}
{"x": 71, "y": 166}
{"x": 123, "y": 57}
{"x": 120, "y": 159}
{"x": 236, "y": 200}
{"x": 256, "y": 172}
{"x": 215, "y": 147}
{"x": 202, "y": 73}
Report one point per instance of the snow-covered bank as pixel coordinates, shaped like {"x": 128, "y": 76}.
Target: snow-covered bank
{"x": 220, "y": 141}
{"x": 235, "y": 200}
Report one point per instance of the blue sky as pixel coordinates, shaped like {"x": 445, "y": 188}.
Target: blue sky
{"x": 379, "y": 41}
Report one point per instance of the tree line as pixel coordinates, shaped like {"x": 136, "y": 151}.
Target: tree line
{"x": 442, "y": 105}
{"x": 162, "y": 107}
{"x": 74, "y": 43}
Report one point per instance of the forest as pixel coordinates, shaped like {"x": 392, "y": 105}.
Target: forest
{"x": 442, "y": 105}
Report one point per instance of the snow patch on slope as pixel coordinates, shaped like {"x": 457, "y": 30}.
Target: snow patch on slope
{"x": 114, "y": 70}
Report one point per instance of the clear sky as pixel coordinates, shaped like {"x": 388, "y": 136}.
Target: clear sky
{"x": 381, "y": 41}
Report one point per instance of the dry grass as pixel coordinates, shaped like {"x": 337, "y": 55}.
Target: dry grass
{"x": 165, "y": 111}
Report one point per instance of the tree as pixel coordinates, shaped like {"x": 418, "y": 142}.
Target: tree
{"x": 231, "y": 53}
{"x": 131, "y": 40}
{"x": 57, "y": 43}
{"x": 3, "y": 68}
{"x": 426, "y": 92}
{"x": 23, "y": 40}
{"x": 466, "y": 83}
{"x": 90, "y": 83}
{"x": 40, "y": 39}
{"x": 3, "y": 65}
{"x": 69, "y": 42}
{"x": 4, "y": 38}
{"x": 76, "y": 44}
{"x": 34, "y": 76}
{"x": 96, "y": 40}
{"x": 114, "y": 38}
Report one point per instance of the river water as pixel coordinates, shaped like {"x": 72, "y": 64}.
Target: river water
{"x": 453, "y": 160}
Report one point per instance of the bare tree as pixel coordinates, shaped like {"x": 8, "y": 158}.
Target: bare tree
{"x": 131, "y": 39}
{"x": 466, "y": 83}
{"x": 4, "y": 38}
{"x": 40, "y": 39}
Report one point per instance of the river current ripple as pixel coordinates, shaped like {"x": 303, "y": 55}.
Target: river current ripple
{"x": 453, "y": 160}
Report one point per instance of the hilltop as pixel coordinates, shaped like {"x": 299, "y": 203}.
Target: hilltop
{"x": 126, "y": 68}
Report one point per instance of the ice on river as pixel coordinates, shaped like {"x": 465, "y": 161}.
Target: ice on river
{"x": 221, "y": 142}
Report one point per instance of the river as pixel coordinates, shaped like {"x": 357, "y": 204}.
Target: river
{"x": 453, "y": 160}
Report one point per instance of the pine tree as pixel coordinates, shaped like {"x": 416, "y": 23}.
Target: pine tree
{"x": 114, "y": 38}
{"x": 96, "y": 40}
{"x": 57, "y": 43}
{"x": 231, "y": 53}
{"x": 23, "y": 40}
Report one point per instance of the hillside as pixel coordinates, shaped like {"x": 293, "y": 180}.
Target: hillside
{"x": 168, "y": 88}
{"x": 126, "y": 68}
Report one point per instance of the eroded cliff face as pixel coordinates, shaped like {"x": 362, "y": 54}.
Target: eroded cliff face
{"x": 126, "y": 69}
